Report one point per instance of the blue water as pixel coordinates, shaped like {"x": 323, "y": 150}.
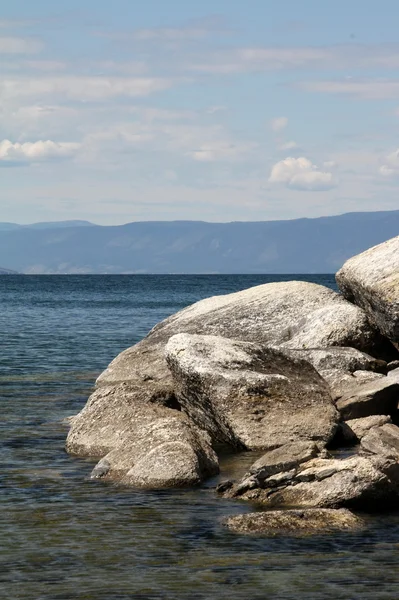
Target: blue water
{"x": 65, "y": 537}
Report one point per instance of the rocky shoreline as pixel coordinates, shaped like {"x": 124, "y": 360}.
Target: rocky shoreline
{"x": 293, "y": 369}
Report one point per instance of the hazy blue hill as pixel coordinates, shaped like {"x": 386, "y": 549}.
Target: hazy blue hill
{"x": 7, "y": 272}
{"x": 48, "y": 225}
{"x": 298, "y": 246}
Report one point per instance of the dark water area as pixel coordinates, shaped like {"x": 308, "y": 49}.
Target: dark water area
{"x": 64, "y": 537}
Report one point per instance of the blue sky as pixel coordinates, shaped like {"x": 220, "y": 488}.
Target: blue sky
{"x": 224, "y": 110}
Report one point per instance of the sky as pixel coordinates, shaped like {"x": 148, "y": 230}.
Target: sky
{"x": 217, "y": 110}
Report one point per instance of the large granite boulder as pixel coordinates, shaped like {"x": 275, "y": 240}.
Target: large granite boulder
{"x": 295, "y": 522}
{"x": 364, "y": 482}
{"x": 371, "y": 280}
{"x": 167, "y": 451}
{"x": 143, "y": 444}
{"x": 294, "y": 314}
{"x": 250, "y": 395}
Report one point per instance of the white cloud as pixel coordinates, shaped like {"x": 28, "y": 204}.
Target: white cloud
{"x": 369, "y": 89}
{"x": 218, "y": 151}
{"x": 386, "y": 171}
{"x": 82, "y": 88}
{"x": 301, "y": 174}
{"x": 291, "y": 145}
{"x": 338, "y": 57}
{"x": 279, "y": 123}
{"x": 329, "y": 164}
{"x": 32, "y": 152}
{"x": 392, "y": 165}
{"x": 200, "y": 143}
{"x": 16, "y": 45}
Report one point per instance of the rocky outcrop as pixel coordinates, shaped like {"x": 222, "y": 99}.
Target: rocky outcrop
{"x": 378, "y": 397}
{"x": 257, "y": 369}
{"x": 371, "y": 280}
{"x": 249, "y": 395}
{"x": 295, "y": 522}
{"x": 363, "y": 482}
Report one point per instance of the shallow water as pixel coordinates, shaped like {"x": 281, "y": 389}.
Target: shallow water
{"x": 65, "y": 537}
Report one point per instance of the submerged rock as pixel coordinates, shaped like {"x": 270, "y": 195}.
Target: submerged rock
{"x": 371, "y": 280}
{"x": 295, "y": 522}
{"x": 248, "y": 395}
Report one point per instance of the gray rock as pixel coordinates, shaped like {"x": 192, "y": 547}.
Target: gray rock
{"x": 342, "y": 382}
{"x": 167, "y": 452}
{"x": 394, "y": 364}
{"x": 378, "y": 397}
{"x": 346, "y": 360}
{"x": 283, "y": 458}
{"x": 367, "y": 376}
{"x": 339, "y": 366}
{"x": 362, "y": 482}
{"x": 351, "y": 432}
{"x": 248, "y": 395}
{"x": 383, "y": 440}
{"x": 295, "y": 522}
{"x": 111, "y": 416}
{"x": 278, "y": 466}
{"x": 394, "y": 374}
{"x": 371, "y": 280}
{"x": 136, "y": 435}
{"x": 295, "y": 314}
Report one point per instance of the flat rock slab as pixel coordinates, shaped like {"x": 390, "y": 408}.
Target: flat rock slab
{"x": 295, "y": 522}
{"x": 356, "y": 429}
{"x": 383, "y": 440}
{"x": 283, "y": 458}
{"x": 341, "y": 382}
{"x": 394, "y": 374}
{"x": 248, "y": 395}
{"x": 347, "y": 360}
{"x": 371, "y": 280}
{"x": 362, "y": 482}
{"x": 379, "y": 397}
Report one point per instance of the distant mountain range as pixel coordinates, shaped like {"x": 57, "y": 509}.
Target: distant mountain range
{"x": 298, "y": 246}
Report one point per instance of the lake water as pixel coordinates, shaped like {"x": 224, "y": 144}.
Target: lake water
{"x": 64, "y": 537}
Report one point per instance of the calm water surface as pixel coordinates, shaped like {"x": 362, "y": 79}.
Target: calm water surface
{"x": 65, "y": 537}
